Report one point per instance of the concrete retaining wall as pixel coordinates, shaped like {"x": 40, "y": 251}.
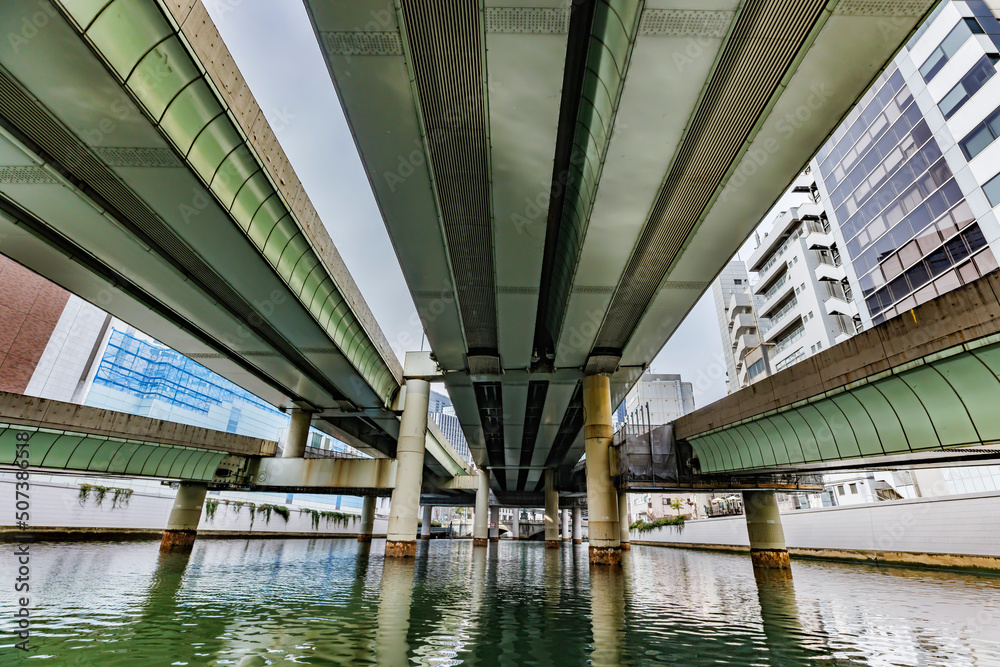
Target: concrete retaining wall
{"x": 952, "y": 530}
{"x": 55, "y": 506}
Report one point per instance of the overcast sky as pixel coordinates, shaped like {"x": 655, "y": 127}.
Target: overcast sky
{"x": 277, "y": 52}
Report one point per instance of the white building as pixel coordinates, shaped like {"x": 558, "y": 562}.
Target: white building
{"x": 801, "y": 281}
{"x": 912, "y": 175}
{"x": 735, "y": 308}
{"x": 666, "y": 397}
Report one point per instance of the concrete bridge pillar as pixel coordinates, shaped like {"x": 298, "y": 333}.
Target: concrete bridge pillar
{"x": 401, "y": 538}
{"x": 602, "y": 500}
{"x": 516, "y": 524}
{"x": 367, "y": 519}
{"x": 565, "y": 526}
{"x": 767, "y": 539}
{"x": 494, "y": 524}
{"x": 425, "y": 522}
{"x": 624, "y": 537}
{"x": 298, "y": 434}
{"x": 551, "y": 510}
{"x": 182, "y": 524}
{"x": 577, "y": 526}
{"x": 480, "y": 529}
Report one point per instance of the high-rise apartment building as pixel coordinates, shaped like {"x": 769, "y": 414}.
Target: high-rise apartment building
{"x": 739, "y": 327}
{"x": 801, "y": 282}
{"x": 912, "y": 175}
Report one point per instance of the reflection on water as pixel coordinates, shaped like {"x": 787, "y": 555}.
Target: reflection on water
{"x": 327, "y": 602}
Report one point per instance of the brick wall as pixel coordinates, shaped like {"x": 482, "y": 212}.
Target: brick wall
{"x": 30, "y": 306}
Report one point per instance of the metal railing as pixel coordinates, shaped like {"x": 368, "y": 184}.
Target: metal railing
{"x": 789, "y": 360}
{"x": 788, "y": 340}
{"x": 784, "y": 310}
{"x": 775, "y": 287}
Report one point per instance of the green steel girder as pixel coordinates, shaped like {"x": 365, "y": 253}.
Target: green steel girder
{"x": 615, "y": 25}
{"x": 949, "y": 400}
{"x": 63, "y": 450}
{"x": 149, "y": 56}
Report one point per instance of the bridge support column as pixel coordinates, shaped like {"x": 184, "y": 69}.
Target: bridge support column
{"x": 367, "y": 519}
{"x": 767, "y": 539}
{"x": 623, "y": 537}
{"x": 565, "y": 526}
{"x": 182, "y": 525}
{"x": 480, "y": 529}
{"x": 516, "y": 524}
{"x": 551, "y": 510}
{"x": 401, "y": 536}
{"x": 425, "y": 522}
{"x": 494, "y": 524}
{"x": 298, "y": 434}
{"x": 602, "y": 501}
{"x": 577, "y": 526}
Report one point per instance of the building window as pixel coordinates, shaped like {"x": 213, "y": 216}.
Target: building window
{"x": 949, "y": 47}
{"x": 992, "y": 190}
{"x": 854, "y": 489}
{"x": 812, "y": 349}
{"x": 840, "y": 490}
{"x": 755, "y": 369}
{"x": 970, "y": 84}
{"x": 981, "y": 136}
{"x": 738, "y": 281}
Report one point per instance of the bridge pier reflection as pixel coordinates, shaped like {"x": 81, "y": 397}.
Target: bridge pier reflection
{"x": 396, "y": 594}
{"x": 607, "y": 612}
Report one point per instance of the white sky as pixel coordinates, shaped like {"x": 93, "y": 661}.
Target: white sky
{"x": 277, "y": 52}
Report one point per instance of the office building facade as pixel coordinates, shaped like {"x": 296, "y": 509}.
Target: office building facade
{"x": 911, "y": 175}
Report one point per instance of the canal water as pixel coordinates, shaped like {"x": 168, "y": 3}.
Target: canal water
{"x": 335, "y": 602}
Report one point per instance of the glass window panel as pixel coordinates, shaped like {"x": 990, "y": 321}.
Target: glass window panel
{"x": 938, "y": 262}
{"x": 992, "y": 190}
{"x": 926, "y": 294}
{"x": 973, "y": 26}
{"x": 994, "y": 123}
{"x": 986, "y": 262}
{"x": 947, "y": 282}
{"x": 968, "y": 273}
{"x": 933, "y": 64}
{"x": 953, "y": 100}
{"x": 918, "y": 275}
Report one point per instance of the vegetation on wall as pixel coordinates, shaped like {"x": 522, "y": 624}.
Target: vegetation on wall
{"x": 119, "y": 497}
{"x": 641, "y": 526}
{"x": 211, "y": 505}
{"x": 266, "y": 510}
{"x": 336, "y": 518}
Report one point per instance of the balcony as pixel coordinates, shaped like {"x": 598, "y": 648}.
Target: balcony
{"x": 787, "y": 341}
{"x": 778, "y": 317}
{"x": 819, "y": 236}
{"x": 832, "y": 272}
{"x": 776, "y": 293}
{"x": 840, "y": 306}
{"x": 741, "y": 324}
{"x": 738, "y": 302}
{"x": 811, "y": 210}
{"x": 744, "y": 344}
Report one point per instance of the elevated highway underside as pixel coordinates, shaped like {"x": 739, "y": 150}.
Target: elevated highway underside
{"x": 562, "y": 181}
{"x": 137, "y": 171}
